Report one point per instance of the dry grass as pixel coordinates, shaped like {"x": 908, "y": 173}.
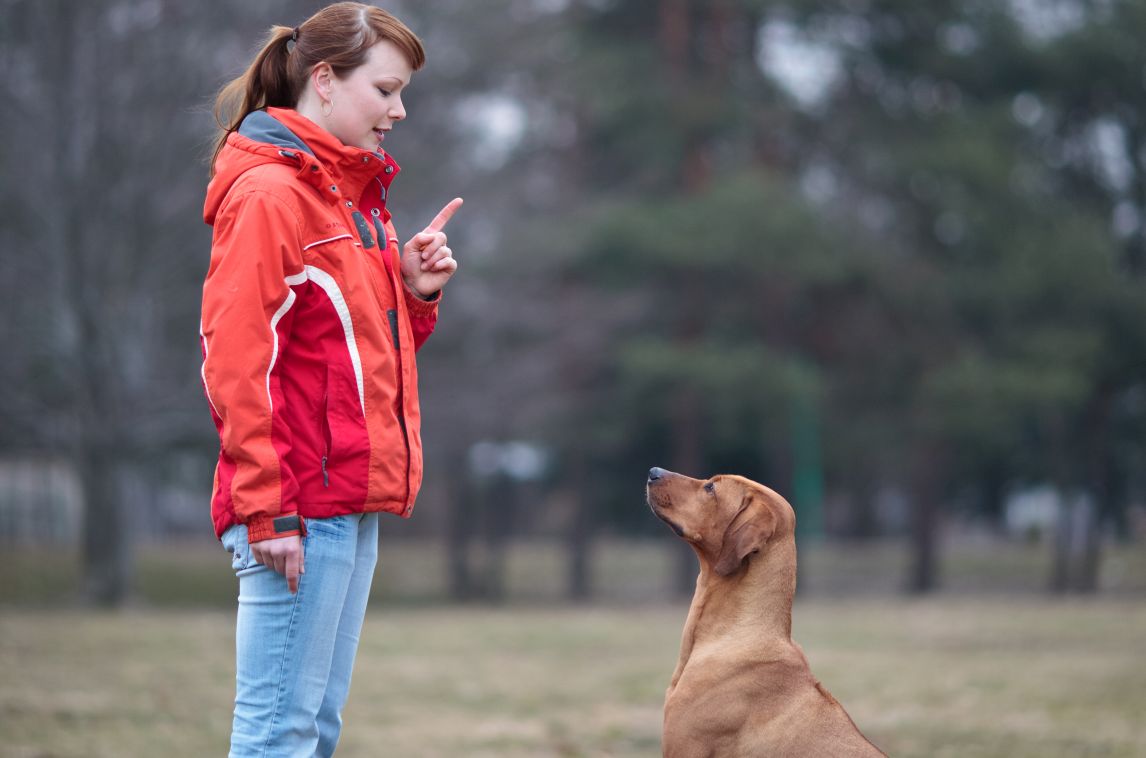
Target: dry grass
{"x": 930, "y": 678}
{"x": 413, "y": 572}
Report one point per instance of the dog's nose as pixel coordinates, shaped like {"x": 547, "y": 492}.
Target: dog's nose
{"x": 656, "y": 473}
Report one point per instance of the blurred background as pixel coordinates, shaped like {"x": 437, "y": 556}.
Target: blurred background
{"x": 886, "y": 256}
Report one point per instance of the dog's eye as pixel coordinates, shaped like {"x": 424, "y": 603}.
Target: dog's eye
{"x": 709, "y": 487}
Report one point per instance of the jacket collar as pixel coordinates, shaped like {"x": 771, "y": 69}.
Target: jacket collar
{"x": 351, "y": 170}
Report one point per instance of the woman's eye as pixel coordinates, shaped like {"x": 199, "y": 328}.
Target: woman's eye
{"x": 385, "y": 92}
{"x": 709, "y": 487}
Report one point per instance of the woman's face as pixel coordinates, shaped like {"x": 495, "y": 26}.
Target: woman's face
{"x": 368, "y": 102}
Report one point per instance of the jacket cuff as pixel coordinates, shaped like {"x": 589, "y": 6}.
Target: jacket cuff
{"x": 262, "y": 527}
{"x": 420, "y": 308}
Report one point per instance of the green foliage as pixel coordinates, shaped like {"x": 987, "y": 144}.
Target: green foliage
{"x": 980, "y": 402}
{"x": 741, "y": 226}
{"x": 958, "y": 286}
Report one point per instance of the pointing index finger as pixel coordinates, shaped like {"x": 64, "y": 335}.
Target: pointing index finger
{"x": 444, "y": 215}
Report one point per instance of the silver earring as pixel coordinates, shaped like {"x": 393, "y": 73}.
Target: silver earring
{"x": 327, "y": 111}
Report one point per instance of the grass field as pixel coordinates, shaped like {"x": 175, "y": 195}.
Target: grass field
{"x": 946, "y": 677}
{"x": 623, "y": 572}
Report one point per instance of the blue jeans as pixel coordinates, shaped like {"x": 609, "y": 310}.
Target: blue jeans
{"x": 294, "y": 653}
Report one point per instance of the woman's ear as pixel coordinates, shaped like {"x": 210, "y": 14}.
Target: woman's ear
{"x": 322, "y": 79}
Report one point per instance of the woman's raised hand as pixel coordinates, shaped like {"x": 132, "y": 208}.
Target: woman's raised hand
{"x": 427, "y": 262}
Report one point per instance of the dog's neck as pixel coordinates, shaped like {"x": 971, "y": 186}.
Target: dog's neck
{"x": 757, "y": 610}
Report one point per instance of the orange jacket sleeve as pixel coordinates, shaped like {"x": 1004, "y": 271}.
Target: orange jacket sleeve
{"x": 247, "y": 311}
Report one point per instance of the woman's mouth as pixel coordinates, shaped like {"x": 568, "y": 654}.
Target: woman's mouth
{"x": 380, "y": 134}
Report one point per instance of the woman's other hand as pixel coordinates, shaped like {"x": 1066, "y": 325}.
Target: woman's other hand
{"x": 282, "y": 554}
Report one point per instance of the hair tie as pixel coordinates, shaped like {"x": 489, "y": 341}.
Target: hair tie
{"x": 293, "y": 39}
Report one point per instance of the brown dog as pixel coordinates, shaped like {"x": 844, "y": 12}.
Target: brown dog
{"x": 742, "y": 687}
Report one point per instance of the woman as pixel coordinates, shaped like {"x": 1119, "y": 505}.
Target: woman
{"x": 311, "y": 318}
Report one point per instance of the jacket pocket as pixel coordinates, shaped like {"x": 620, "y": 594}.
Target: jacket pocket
{"x": 327, "y": 436}
{"x": 345, "y": 457}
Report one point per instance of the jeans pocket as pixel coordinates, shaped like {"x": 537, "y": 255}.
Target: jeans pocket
{"x": 235, "y": 541}
{"x": 335, "y": 527}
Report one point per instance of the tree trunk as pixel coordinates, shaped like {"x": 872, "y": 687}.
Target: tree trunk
{"x": 579, "y": 586}
{"x": 1060, "y": 546}
{"x": 1077, "y": 549}
{"x": 499, "y": 506}
{"x": 676, "y": 33}
{"x": 923, "y": 574}
{"x": 1075, "y": 566}
{"x": 992, "y": 488}
{"x": 1102, "y": 476}
{"x": 1089, "y": 558}
{"x": 862, "y": 519}
{"x": 106, "y": 561}
{"x": 459, "y": 528}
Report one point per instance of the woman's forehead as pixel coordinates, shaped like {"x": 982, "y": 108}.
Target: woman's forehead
{"x": 386, "y": 60}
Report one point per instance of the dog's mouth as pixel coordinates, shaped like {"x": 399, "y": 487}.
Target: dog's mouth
{"x": 655, "y": 507}
{"x": 674, "y": 527}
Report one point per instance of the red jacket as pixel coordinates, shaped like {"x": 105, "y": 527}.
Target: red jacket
{"x": 308, "y": 331}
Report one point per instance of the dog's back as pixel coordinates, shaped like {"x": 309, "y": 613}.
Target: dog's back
{"x": 723, "y": 705}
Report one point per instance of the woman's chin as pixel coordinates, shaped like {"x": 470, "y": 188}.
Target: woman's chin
{"x": 371, "y": 143}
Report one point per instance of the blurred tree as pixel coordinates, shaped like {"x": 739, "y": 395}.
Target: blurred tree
{"x": 939, "y": 131}
{"x": 685, "y": 220}
{"x": 695, "y": 226}
{"x": 955, "y": 300}
{"x": 106, "y": 134}
{"x": 1086, "y": 115}
{"x": 515, "y": 338}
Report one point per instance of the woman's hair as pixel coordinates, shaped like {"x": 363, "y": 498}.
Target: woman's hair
{"x": 340, "y": 34}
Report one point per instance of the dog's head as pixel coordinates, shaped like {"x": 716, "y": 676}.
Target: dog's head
{"x": 726, "y": 518}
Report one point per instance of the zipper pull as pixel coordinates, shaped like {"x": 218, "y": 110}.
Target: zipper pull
{"x": 325, "y": 473}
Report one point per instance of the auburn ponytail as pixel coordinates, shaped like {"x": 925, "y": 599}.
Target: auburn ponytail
{"x": 340, "y": 34}
{"x": 266, "y": 82}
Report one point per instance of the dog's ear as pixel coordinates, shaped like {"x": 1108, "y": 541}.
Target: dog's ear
{"x": 748, "y": 532}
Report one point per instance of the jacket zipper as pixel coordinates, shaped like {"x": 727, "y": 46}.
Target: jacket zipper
{"x": 327, "y": 438}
